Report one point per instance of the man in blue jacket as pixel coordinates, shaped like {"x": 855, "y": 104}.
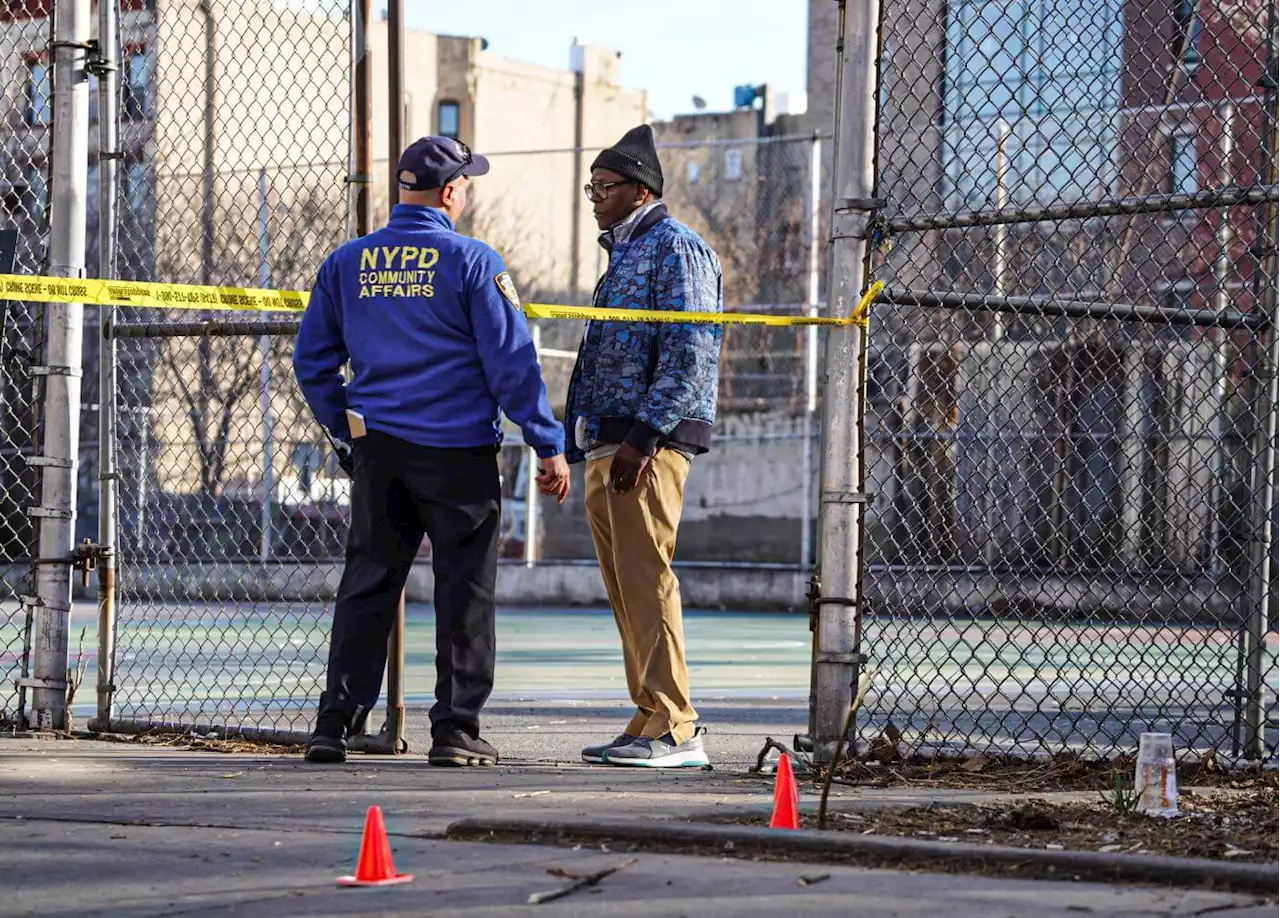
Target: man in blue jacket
{"x": 432, "y": 328}
{"x": 641, "y": 403}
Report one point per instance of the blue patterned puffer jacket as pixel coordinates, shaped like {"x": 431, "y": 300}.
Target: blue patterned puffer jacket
{"x": 650, "y": 384}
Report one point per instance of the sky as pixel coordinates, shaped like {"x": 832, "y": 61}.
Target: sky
{"x": 675, "y": 49}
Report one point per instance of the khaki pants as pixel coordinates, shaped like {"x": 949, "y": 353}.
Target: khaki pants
{"x": 635, "y": 539}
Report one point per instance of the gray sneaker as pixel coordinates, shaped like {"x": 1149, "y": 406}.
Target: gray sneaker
{"x": 595, "y": 754}
{"x": 660, "y": 753}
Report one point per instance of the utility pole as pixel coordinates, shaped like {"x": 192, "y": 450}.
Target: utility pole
{"x": 835, "y": 594}
{"x": 395, "y": 83}
{"x": 64, "y": 332}
{"x": 364, "y": 121}
{"x": 394, "y": 730}
{"x": 107, "y": 67}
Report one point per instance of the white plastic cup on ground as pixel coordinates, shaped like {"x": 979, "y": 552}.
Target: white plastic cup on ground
{"x": 1156, "y": 775}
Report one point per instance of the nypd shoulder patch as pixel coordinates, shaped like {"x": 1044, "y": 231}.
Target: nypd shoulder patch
{"x": 508, "y": 289}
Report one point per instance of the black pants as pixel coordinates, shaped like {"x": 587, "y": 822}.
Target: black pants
{"x": 402, "y": 490}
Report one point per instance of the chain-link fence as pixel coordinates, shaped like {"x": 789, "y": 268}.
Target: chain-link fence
{"x": 1070, "y": 430}
{"x": 26, "y": 77}
{"x": 233, "y": 512}
{"x": 236, "y": 142}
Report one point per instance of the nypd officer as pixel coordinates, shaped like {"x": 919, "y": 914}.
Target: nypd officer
{"x": 431, "y": 326}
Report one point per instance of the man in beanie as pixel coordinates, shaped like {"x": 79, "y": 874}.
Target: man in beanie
{"x": 640, "y": 406}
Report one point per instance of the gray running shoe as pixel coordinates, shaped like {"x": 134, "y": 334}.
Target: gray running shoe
{"x": 660, "y": 753}
{"x": 595, "y": 754}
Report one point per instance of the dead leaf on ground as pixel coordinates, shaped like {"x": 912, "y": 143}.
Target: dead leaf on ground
{"x": 975, "y": 764}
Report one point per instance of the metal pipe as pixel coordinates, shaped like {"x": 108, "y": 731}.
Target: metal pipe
{"x": 62, "y": 365}
{"x": 1002, "y": 229}
{"x": 108, "y": 70}
{"x": 363, "y": 120}
{"x": 394, "y": 731}
{"x": 811, "y": 352}
{"x": 1262, "y": 593}
{"x": 395, "y": 121}
{"x": 1222, "y": 265}
{"x": 210, "y": 139}
{"x": 1085, "y": 210}
{"x": 211, "y": 327}
{"x": 993, "y": 368}
{"x": 1040, "y": 306}
{"x": 531, "y": 481}
{"x": 579, "y": 136}
{"x": 395, "y": 96}
{"x": 264, "y": 379}
{"x": 837, "y": 660}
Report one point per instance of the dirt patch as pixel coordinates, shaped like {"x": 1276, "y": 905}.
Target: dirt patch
{"x": 1216, "y": 824}
{"x": 192, "y": 741}
{"x": 1063, "y": 773}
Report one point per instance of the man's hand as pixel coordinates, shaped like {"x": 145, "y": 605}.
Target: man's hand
{"x": 628, "y": 465}
{"x": 553, "y": 477}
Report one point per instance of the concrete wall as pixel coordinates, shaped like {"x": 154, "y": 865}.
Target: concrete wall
{"x": 545, "y": 585}
{"x": 911, "y": 594}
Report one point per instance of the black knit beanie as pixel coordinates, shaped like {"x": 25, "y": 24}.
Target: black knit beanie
{"x": 634, "y": 157}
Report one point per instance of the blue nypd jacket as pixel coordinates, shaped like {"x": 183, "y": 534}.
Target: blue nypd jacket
{"x": 650, "y": 384}
{"x": 433, "y": 330}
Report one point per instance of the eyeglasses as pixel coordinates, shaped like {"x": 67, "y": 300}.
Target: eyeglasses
{"x": 466, "y": 161}
{"x": 598, "y": 191}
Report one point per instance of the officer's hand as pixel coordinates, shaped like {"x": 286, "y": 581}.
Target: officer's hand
{"x": 628, "y": 465}
{"x": 553, "y": 477}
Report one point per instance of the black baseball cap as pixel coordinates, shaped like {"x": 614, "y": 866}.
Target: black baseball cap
{"x": 433, "y": 162}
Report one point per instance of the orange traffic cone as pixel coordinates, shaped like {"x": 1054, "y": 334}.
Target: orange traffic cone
{"x": 374, "y": 867}
{"x": 786, "y": 797}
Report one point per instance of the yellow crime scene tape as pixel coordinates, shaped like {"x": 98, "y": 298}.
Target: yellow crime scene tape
{"x": 96, "y": 292}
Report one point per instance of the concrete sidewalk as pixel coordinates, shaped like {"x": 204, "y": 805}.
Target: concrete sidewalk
{"x": 95, "y": 828}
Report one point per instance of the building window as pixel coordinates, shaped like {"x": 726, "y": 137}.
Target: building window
{"x": 1184, "y": 172}
{"x": 135, "y": 188}
{"x": 1186, "y": 35}
{"x": 136, "y": 85}
{"x": 732, "y": 164}
{"x": 447, "y": 120}
{"x": 37, "y": 194}
{"x": 1022, "y": 63}
{"x": 39, "y": 94}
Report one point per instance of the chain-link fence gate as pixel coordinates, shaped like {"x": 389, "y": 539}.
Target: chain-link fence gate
{"x": 236, "y": 140}
{"x": 26, "y": 72}
{"x": 1070, "y": 419}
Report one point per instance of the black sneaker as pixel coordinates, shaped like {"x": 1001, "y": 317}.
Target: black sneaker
{"x": 453, "y": 746}
{"x": 327, "y": 745}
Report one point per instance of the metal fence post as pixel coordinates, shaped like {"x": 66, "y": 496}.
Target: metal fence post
{"x": 811, "y": 352}
{"x": 837, "y": 660}
{"x": 395, "y": 64}
{"x": 1262, "y": 592}
{"x": 363, "y": 128}
{"x": 107, "y": 67}
{"x": 62, "y": 364}
{"x": 531, "y": 481}
{"x": 264, "y": 384}
{"x": 395, "y": 84}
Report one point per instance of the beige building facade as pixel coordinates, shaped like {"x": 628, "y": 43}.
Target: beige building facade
{"x": 540, "y": 126}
